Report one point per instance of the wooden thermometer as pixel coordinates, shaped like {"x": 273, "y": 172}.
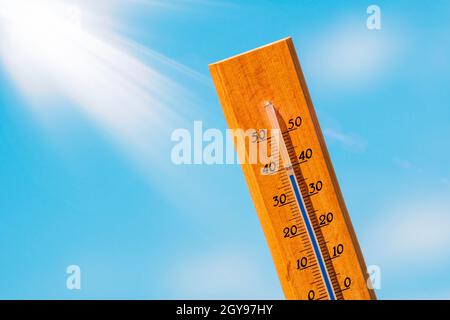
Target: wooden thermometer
{"x": 296, "y": 193}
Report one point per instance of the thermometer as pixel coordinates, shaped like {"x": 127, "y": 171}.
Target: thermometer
{"x": 295, "y": 190}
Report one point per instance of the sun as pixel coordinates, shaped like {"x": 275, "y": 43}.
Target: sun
{"x": 48, "y": 52}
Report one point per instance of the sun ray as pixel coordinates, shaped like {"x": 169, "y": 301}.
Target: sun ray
{"x": 48, "y": 52}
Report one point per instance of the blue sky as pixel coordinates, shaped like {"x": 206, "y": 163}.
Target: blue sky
{"x": 85, "y": 123}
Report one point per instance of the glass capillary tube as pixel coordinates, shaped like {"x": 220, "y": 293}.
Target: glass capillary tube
{"x": 283, "y": 152}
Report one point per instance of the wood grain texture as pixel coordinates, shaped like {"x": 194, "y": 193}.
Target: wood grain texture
{"x": 244, "y": 83}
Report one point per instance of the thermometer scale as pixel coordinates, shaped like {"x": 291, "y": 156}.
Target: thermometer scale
{"x": 296, "y": 193}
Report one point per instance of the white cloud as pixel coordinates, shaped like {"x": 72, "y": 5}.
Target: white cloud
{"x": 411, "y": 244}
{"x": 349, "y": 55}
{"x": 225, "y": 274}
{"x": 404, "y": 164}
{"x": 407, "y": 165}
{"x": 349, "y": 141}
{"x": 416, "y": 232}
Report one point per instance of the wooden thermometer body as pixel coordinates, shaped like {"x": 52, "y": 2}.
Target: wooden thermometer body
{"x": 297, "y": 199}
